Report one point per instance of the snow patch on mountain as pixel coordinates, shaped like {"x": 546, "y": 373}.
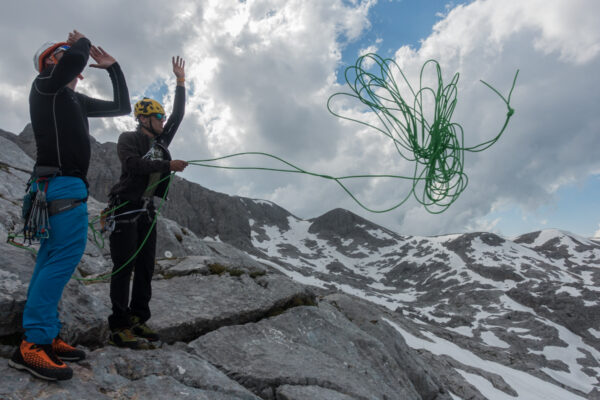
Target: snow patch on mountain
{"x": 528, "y": 299}
{"x": 526, "y": 385}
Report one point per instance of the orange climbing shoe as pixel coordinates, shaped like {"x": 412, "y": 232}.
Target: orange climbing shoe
{"x": 65, "y": 351}
{"x": 40, "y": 361}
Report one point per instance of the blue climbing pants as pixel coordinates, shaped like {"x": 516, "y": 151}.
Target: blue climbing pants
{"x": 56, "y": 261}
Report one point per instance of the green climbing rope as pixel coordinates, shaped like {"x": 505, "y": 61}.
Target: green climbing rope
{"x": 435, "y": 147}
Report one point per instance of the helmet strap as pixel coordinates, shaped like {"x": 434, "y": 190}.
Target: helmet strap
{"x": 154, "y": 133}
{"x": 52, "y": 58}
{"x": 150, "y": 128}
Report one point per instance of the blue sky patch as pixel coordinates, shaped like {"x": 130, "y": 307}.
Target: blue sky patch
{"x": 396, "y": 23}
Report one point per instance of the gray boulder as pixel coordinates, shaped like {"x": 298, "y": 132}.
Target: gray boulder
{"x": 187, "y": 308}
{"x": 369, "y": 318}
{"x": 315, "y": 346}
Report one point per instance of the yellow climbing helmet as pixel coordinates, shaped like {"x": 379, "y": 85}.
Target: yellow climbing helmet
{"x": 148, "y": 106}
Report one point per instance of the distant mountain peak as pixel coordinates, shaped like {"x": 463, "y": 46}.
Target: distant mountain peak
{"x": 340, "y": 221}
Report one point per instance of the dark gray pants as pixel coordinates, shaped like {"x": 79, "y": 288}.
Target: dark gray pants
{"x": 125, "y": 240}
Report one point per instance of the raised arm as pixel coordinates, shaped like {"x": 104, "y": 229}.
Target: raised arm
{"x": 120, "y": 105}
{"x": 70, "y": 65}
{"x": 179, "y": 104}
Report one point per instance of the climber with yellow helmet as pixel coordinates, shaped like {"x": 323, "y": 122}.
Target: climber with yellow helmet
{"x": 145, "y": 160}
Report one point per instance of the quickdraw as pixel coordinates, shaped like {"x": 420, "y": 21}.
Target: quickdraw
{"x": 36, "y": 224}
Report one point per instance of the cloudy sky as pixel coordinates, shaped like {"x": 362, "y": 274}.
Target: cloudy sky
{"x": 259, "y": 73}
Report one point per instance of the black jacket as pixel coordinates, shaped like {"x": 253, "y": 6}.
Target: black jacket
{"x": 131, "y": 148}
{"x": 59, "y": 115}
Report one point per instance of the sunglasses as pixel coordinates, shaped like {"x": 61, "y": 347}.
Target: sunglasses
{"x": 160, "y": 117}
{"x": 61, "y": 48}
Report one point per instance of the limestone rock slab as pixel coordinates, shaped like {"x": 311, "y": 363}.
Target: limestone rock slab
{"x": 307, "y": 346}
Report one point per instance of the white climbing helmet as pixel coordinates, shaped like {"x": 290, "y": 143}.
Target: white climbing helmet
{"x": 47, "y": 49}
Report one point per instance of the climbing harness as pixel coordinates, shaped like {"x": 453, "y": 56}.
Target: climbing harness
{"x": 106, "y": 213}
{"x": 108, "y": 219}
{"x": 36, "y": 210}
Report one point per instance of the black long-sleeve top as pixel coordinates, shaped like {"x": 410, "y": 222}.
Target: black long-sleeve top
{"x": 133, "y": 146}
{"x": 59, "y": 114}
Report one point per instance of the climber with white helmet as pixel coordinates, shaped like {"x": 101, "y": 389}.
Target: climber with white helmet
{"x": 59, "y": 118}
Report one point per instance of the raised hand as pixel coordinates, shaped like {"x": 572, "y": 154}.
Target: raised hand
{"x": 102, "y": 58}
{"x": 74, "y": 36}
{"x": 179, "y": 67}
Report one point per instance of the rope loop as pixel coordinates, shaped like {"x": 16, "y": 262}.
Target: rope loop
{"x": 430, "y": 140}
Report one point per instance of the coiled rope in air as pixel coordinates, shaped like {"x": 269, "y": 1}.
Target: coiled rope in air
{"x": 436, "y": 147}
